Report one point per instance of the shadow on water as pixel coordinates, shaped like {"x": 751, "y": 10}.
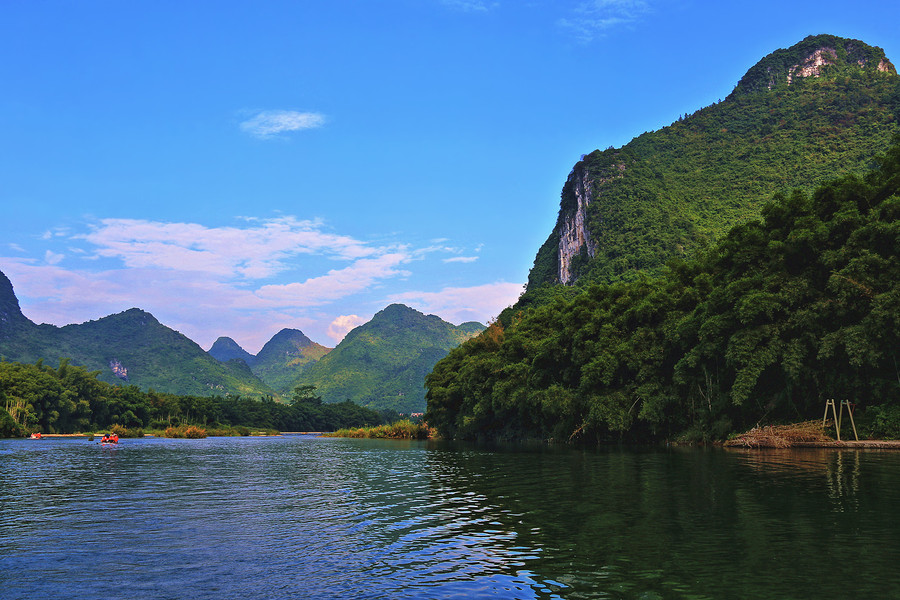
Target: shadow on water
{"x": 686, "y": 522}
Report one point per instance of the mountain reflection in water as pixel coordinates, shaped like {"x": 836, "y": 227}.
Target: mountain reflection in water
{"x": 302, "y": 517}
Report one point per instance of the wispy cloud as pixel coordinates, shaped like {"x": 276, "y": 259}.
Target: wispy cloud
{"x": 256, "y": 251}
{"x": 337, "y": 283}
{"x": 593, "y": 19}
{"x": 270, "y": 123}
{"x": 52, "y": 258}
{"x": 470, "y": 5}
{"x": 461, "y": 259}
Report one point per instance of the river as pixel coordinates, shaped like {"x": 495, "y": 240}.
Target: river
{"x": 305, "y": 517}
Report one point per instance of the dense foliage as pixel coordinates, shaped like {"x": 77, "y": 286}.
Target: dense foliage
{"x": 383, "y": 363}
{"x": 670, "y": 192}
{"x": 781, "y": 314}
{"x": 67, "y": 399}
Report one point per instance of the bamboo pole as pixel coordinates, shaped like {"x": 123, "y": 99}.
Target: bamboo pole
{"x": 849, "y": 412}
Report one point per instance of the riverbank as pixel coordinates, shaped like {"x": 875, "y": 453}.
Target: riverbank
{"x": 810, "y": 434}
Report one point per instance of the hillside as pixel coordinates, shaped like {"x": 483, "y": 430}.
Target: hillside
{"x": 782, "y": 313}
{"x": 801, "y": 116}
{"x": 382, "y": 364}
{"x": 131, "y": 347}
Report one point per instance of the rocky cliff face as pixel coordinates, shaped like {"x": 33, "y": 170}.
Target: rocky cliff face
{"x": 573, "y": 234}
{"x": 575, "y": 238}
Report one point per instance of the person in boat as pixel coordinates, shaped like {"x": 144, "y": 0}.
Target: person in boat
{"x": 104, "y": 439}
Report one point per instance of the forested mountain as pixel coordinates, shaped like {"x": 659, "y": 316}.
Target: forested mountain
{"x": 382, "y": 364}
{"x": 279, "y": 362}
{"x": 781, "y": 314}
{"x": 766, "y": 307}
{"x": 131, "y": 347}
{"x": 799, "y": 117}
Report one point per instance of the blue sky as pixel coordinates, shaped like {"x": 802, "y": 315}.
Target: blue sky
{"x": 239, "y": 167}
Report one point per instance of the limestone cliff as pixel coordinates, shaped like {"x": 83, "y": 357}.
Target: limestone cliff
{"x": 575, "y": 239}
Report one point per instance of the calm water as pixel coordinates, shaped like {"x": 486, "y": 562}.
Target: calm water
{"x": 300, "y": 517}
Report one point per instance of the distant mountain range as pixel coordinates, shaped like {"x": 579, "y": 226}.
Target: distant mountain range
{"x": 381, "y": 364}
{"x": 131, "y": 347}
{"x": 279, "y": 361}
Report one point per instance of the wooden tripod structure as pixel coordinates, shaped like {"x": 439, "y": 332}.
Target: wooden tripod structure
{"x": 839, "y": 416}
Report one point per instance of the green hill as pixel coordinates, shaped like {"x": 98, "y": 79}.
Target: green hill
{"x": 766, "y": 306}
{"x": 382, "y": 364}
{"x": 131, "y": 347}
{"x": 283, "y": 357}
{"x": 801, "y": 116}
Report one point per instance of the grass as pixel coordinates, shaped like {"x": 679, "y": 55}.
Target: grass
{"x": 401, "y": 430}
{"x": 781, "y": 436}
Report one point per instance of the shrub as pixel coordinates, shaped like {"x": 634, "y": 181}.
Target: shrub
{"x": 125, "y": 432}
{"x": 886, "y": 422}
{"x": 194, "y": 432}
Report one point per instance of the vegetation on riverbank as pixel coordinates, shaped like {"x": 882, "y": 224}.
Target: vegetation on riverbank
{"x": 784, "y": 312}
{"x": 68, "y": 399}
{"x": 401, "y": 430}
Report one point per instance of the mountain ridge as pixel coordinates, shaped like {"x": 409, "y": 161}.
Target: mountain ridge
{"x": 127, "y": 348}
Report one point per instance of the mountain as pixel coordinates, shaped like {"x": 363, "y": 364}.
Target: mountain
{"x": 281, "y": 359}
{"x": 225, "y": 349}
{"x": 802, "y": 115}
{"x": 382, "y": 364}
{"x": 131, "y": 347}
{"x": 279, "y": 362}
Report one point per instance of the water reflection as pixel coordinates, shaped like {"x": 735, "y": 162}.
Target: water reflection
{"x": 306, "y": 517}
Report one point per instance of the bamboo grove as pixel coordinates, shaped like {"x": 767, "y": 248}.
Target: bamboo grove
{"x": 782, "y": 313}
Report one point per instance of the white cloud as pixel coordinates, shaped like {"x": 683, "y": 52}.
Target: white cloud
{"x": 337, "y": 283}
{"x": 593, "y": 19}
{"x": 15, "y": 247}
{"x": 461, "y": 259}
{"x": 52, "y": 258}
{"x": 270, "y": 123}
{"x": 342, "y": 325}
{"x": 458, "y": 304}
{"x": 254, "y": 252}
